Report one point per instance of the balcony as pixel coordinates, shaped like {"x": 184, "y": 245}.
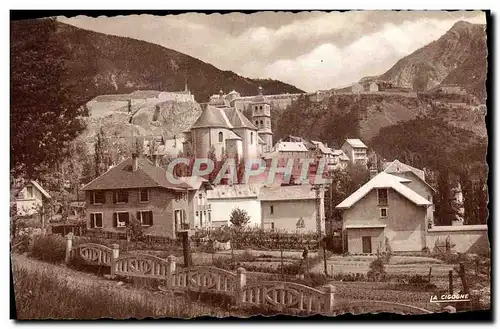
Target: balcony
{"x": 204, "y": 207}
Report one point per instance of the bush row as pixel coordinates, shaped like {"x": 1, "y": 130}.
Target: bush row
{"x": 251, "y": 238}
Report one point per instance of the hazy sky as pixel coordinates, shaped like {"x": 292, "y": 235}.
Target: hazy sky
{"x": 311, "y": 50}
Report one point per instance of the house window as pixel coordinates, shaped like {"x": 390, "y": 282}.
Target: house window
{"x": 180, "y": 218}
{"x": 251, "y": 138}
{"x": 272, "y": 226}
{"x": 272, "y": 210}
{"x": 29, "y": 191}
{"x": 209, "y": 216}
{"x": 221, "y": 137}
{"x": 145, "y": 217}
{"x": 383, "y": 212}
{"x": 96, "y": 220}
{"x": 98, "y": 197}
{"x": 120, "y": 219}
{"x": 382, "y": 196}
{"x": 144, "y": 195}
{"x": 121, "y": 196}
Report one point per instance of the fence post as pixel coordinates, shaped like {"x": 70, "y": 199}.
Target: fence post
{"x": 329, "y": 297}
{"x": 241, "y": 282}
{"x": 450, "y": 282}
{"x": 69, "y": 245}
{"x": 170, "y": 270}
{"x": 115, "y": 253}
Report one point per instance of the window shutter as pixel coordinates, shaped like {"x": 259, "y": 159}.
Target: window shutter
{"x": 90, "y": 196}
{"x": 92, "y": 225}
{"x": 126, "y": 219}
{"x": 115, "y": 220}
{"x": 114, "y": 196}
{"x": 151, "y": 218}
{"x": 139, "y": 216}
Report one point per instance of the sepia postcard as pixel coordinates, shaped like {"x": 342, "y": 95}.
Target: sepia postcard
{"x": 242, "y": 164}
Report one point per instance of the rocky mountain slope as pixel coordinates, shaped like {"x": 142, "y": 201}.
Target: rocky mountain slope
{"x": 98, "y": 64}
{"x": 458, "y": 57}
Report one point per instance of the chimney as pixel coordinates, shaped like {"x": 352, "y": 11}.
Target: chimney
{"x": 135, "y": 161}
{"x": 260, "y": 90}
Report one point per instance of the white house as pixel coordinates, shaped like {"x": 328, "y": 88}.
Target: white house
{"x": 222, "y": 199}
{"x": 31, "y": 198}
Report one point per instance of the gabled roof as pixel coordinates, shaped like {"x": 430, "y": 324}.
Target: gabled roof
{"x": 397, "y": 166}
{"x": 355, "y": 142}
{"x": 384, "y": 180}
{"x": 290, "y": 147}
{"x": 196, "y": 182}
{"x": 322, "y": 147}
{"x": 238, "y": 119}
{"x": 234, "y": 191}
{"x": 212, "y": 117}
{"x": 40, "y": 188}
{"x": 287, "y": 192}
{"x": 122, "y": 177}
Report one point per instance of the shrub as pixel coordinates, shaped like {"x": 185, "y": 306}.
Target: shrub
{"x": 377, "y": 270}
{"x": 239, "y": 217}
{"x": 49, "y": 248}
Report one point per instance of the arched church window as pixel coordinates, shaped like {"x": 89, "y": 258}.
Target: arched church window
{"x": 251, "y": 138}
{"x": 256, "y": 122}
{"x": 221, "y": 137}
{"x": 261, "y": 122}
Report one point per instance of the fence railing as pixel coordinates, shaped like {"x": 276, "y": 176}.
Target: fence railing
{"x": 274, "y": 294}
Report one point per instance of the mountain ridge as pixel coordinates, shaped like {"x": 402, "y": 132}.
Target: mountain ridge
{"x": 458, "y": 57}
{"x": 106, "y": 64}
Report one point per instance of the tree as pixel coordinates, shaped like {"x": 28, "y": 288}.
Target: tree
{"x": 45, "y": 114}
{"x": 100, "y": 153}
{"x": 239, "y": 217}
{"x": 134, "y": 230}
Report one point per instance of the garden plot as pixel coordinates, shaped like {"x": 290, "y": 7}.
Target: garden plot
{"x": 397, "y": 265}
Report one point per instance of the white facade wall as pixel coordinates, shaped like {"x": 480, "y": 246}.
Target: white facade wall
{"x": 221, "y": 210}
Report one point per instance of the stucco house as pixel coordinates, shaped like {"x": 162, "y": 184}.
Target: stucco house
{"x": 356, "y": 150}
{"x": 223, "y": 199}
{"x": 30, "y": 198}
{"x": 386, "y": 207}
{"x": 417, "y": 182}
{"x": 136, "y": 188}
{"x": 291, "y": 208}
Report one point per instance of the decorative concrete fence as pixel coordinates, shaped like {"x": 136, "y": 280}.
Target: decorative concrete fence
{"x": 273, "y": 294}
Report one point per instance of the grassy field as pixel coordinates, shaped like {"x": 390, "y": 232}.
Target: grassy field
{"x": 47, "y": 291}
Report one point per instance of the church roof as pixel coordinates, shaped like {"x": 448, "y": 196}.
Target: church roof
{"x": 238, "y": 119}
{"x": 259, "y": 99}
{"x": 212, "y": 117}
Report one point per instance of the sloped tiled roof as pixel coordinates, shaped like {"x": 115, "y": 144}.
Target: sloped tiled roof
{"x": 355, "y": 142}
{"x": 234, "y": 191}
{"x": 122, "y": 177}
{"x": 384, "y": 180}
{"x": 290, "y": 147}
{"x": 41, "y": 189}
{"x": 397, "y": 166}
{"x": 323, "y": 149}
{"x": 238, "y": 119}
{"x": 287, "y": 192}
{"x": 212, "y": 117}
